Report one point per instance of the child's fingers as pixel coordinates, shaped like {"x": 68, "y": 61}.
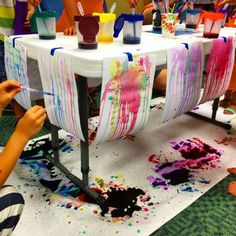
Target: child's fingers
{"x": 8, "y": 84}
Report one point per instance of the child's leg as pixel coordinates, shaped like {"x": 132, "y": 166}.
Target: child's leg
{"x": 160, "y": 81}
{"x": 11, "y": 206}
{"x": 231, "y": 109}
{"x": 227, "y": 97}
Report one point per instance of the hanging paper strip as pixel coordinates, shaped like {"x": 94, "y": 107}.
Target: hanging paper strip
{"x": 16, "y": 69}
{"x": 184, "y": 76}
{"x": 125, "y": 97}
{"x": 219, "y": 69}
{"x": 57, "y": 75}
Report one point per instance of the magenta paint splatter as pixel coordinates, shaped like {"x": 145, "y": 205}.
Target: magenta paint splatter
{"x": 196, "y": 155}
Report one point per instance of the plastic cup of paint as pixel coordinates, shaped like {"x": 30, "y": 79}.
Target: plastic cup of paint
{"x": 156, "y": 20}
{"x": 46, "y": 24}
{"x": 225, "y": 12}
{"x": 192, "y": 18}
{"x": 87, "y": 28}
{"x": 168, "y": 24}
{"x": 212, "y": 24}
{"x": 106, "y": 25}
{"x": 132, "y": 28}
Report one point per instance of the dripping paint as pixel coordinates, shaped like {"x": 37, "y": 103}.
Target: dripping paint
{"x": 16, "y": 69}
{"x": 196, "y": 156}
{"x": 57, "y": 75}
{"x": 219, "y": 68}
{"x": 184, "y": 78}
{"x": 125, "y": 97}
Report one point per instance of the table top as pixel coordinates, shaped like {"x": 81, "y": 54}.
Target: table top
{"x": 89, "y": 62}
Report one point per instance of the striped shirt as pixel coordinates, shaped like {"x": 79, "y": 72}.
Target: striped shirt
{"x": 7, "y": 17}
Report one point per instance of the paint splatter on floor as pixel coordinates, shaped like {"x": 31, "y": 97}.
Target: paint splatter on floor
{"x": 226, "y": 141}
{"x": 196, "y": 155}
{"x": 122, "y": 200}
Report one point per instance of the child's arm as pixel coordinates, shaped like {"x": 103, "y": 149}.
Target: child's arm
{"x": 71, "y": 10}
{"x": 230, "y": 2}
{"x": 34, "y": 2}
{"x": 27, "y": 127}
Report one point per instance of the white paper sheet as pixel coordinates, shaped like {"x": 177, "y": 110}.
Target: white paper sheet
{"x": 184, "y": 76}
{"x": 125, "y": 97}
{"x": 16, "y": 69}
{"x": 57, "y": 75}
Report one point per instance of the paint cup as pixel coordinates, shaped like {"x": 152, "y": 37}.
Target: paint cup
{"x": 87, "y": 28}
{"x": 192, "y": 18}
{"x": 225, "y": 12}
{"x": 212, "y": 24}
{"x": 106, "y": 25}
{"x": 132, "y": 28}
{"x": 46, "y": 24}
{"x": 156, "y": 20}
{"x": 168, "y": 24}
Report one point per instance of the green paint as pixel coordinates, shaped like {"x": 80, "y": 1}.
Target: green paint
{"x": 110, "y": 97}
{"x": 130, "y": 224}
{"x": 138, "y": 231}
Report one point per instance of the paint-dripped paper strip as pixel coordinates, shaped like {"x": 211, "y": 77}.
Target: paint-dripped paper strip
{"x": 184, "y": 68}
{"x": 219, "y": 69}
{"x": 16, "y": 69}
{"x": 125, "y": 97}
{"x": 57, "y": 75}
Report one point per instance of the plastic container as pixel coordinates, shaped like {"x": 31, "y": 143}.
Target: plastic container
{"x": 46, "y": 24}
{"x": 225, "y": 12}
{"x": 212, "y": 24}
{"x": 106, "y": 27}
{"x": 168, "y": 24}
{"x": 132, "y": 28}
{"x": 87, "y": 28}
{"x": 192, "y": 18}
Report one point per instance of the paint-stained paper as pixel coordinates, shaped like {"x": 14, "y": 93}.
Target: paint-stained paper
{"x": 219, "y": 68}
{"x": 125, "y": 97}
{"x": 57, "y": 75}
{"x": 184, "y": 77}
{"x": 16, "y": 69}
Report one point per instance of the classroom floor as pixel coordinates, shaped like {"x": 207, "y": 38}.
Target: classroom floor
{"x": 184, "y": 209}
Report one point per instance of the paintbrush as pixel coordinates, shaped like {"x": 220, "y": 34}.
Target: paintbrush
{"x": 31, "y": 90}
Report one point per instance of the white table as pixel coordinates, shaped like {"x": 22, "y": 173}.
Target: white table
{"x": 89, "y": 64}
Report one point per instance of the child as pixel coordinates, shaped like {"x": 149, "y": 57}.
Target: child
{"x": 11, "y": 202}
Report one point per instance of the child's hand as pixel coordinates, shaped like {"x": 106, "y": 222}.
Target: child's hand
{"x": 34, "y": 2}
{"x": 132, "y": 3}
{"x": 30, "y": 12}
{"x": 8, "y": 89}
{"x": 31, "y": 123}
{"x": 70, "y": 31}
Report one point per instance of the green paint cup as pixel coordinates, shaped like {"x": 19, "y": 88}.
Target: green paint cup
{"x": 46, "y": 24}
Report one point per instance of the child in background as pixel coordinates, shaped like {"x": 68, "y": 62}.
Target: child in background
{"x": 14, "y": 21}
{"x": 11, "y": 202}
{"x": 98, "y": 6}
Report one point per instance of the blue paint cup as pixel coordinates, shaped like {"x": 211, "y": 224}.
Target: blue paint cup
{"x": 132, "y": 28}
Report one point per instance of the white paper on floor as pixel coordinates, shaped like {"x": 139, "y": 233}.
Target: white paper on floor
{"x": 124, "y": 160}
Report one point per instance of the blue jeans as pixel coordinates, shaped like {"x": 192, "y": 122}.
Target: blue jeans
{"x": 3, "y": 76}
